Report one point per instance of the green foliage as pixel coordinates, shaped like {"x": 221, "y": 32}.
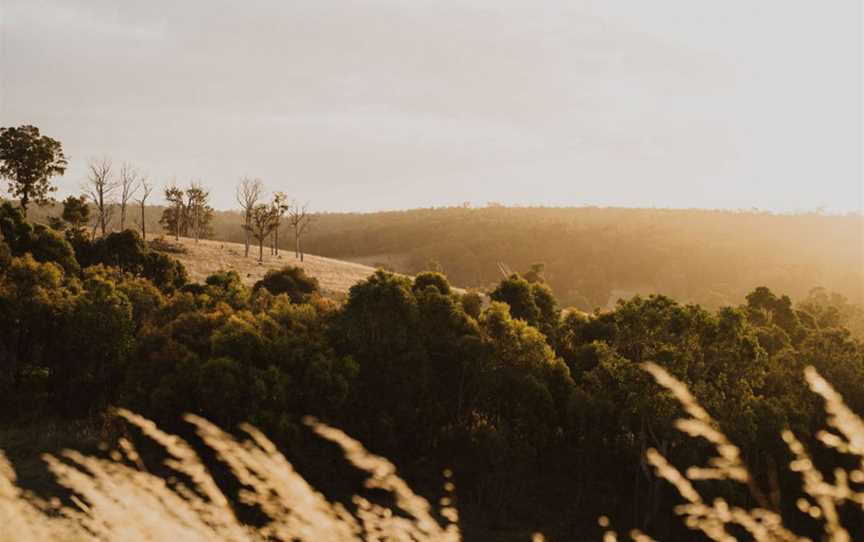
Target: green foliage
{"x": 42, "y": 243}
{"x": 434, "y": 279}
{"x": 518, "y": 294}
{"x": 291, "y": 281}
{"x": 128, "y": 252}
{"x": 226, "y": 287}
{"x": 48, "y": 246}
{"x": 76, "y": 211}
{"x": 532, "y": 302}
{"x": 164, "y": 271}
{"x": 5, "y": 255}
{"x": 28, "y": 161}
{"x": 524, "y": 403}
{"x": 472, "y": 304}
{"x": 96, "y": 343}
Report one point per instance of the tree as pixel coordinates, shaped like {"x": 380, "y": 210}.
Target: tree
{"x": 76, "y": 213}
{"x": 146, "y": 189}
{"x": 280, "y": 207}
{"x": 197, "y": 208}
{"x": 248, "y": 193}
{"x": 299, "y": 219}
{"x": 129, "y": 183}
{"x": 517, "y": 293}
{"x": 261, "y": 225}
{"x": 292, "y": 281}
{"x": 28, "y": 160}
{"x": 431, "y": 278}
{"x": 173, "y": 217}
{"x": 188, "y": 213}
{"x": 472, "y": 304}
{"x": 100, "y": 186}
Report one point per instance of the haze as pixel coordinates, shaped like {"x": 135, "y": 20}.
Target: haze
{"x": 398, "y": 104}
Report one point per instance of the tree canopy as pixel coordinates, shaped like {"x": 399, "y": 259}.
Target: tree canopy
{"x": 28, "y": 161}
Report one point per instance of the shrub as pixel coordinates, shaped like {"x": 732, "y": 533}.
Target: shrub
{"x": 289, "y": 280}
{"x": 166, "y": 273}
{"x": 472, "y": 304}
{"x": 431, "y": 278}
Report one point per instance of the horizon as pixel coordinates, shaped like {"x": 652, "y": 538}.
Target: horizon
{"x": 388, "y": 105}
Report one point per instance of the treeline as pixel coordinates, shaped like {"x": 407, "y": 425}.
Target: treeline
{"x": 544, "y": 415}
{"x": 593, "y": 256}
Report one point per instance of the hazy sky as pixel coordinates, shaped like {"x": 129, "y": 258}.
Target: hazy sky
{"x": 413, "y": 103}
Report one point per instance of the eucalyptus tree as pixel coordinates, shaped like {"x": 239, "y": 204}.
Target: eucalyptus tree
{"x": 28, "y": 161}
{"x": 248, "y": 193}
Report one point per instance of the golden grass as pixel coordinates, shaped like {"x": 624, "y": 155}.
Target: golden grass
{"x": 822, "y": 499}
{"x": 117, "y": 499}
{"x": 206, "y": 257}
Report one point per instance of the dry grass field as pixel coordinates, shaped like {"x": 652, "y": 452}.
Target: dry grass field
{"x": 207, "y": 257}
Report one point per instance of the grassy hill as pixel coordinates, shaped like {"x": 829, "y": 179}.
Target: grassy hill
{"x": 207, "y": 257}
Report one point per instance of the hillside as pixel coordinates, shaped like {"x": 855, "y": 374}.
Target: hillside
{"x": 593, "y": 256}
{"x": 207, "y": 257}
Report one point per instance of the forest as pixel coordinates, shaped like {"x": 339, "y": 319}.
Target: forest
{"x": 543, "y": 414}
{"x": 593, "y": 256}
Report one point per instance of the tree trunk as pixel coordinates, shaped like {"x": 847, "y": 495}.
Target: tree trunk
{"x": 261, "y": 250}
{"x": 143, "y": 224}
{"x": 276, "y": 240}
{"x": 102, "y": 214}
{"x": 246, "y": 228}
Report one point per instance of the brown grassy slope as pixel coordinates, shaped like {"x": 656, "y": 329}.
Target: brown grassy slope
{"x": 207, "y": 257}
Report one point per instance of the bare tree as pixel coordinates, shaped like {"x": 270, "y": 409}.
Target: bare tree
{"x": 129, "y": 183}
{"x": 300, "y": 219}
{"x": 146, "y": 190}
{"x": 261, "y": 224}
{"x": 99, "y": 187}
{"x": 248, "y": 193}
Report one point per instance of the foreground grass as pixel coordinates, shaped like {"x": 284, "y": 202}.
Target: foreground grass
{"x": 115, "y": 498}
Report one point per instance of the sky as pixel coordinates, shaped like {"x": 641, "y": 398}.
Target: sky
{"x": 392, "y": 104}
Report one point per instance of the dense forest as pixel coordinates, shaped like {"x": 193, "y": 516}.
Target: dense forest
{"x": 544, "y": 415}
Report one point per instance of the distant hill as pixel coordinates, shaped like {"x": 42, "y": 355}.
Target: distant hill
{"x": 594, "y": 255}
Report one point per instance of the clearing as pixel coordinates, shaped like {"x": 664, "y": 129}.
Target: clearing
{"x": 207, "y": 257}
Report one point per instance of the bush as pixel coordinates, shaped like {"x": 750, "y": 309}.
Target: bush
{"x": 48, "y": 246}
{"x": 292, "y": 281}
{"x": 44, "y": 244}
{"x": 166, "y": 273}
{"x": 431, "y": 278}
{"x": 472, "y": 304}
